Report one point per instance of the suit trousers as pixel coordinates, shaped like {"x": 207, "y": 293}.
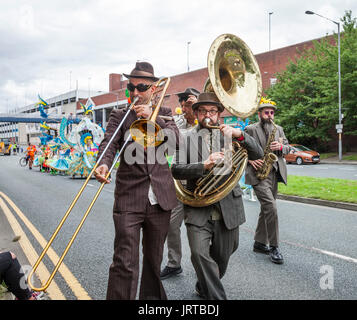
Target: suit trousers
{"x": 267, "y": 231}
{"x": 174, "y": 247}
{"x": 211, "y": 247}
{"x": 124, "y": 271}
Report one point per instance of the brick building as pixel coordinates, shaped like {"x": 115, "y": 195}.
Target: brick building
{"x": 269, "y": 63}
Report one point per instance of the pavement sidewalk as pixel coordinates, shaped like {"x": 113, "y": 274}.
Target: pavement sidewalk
{"x": 335, "y": 160}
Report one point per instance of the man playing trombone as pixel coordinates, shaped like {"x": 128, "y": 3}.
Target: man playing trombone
{"x": 144, "y": 195}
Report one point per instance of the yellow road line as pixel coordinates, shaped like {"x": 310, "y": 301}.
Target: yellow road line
{"x": 70, "y": 279}
{"x": 53, "y": 291}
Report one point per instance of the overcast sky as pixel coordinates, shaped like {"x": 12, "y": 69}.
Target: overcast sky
{"x": 47, "y": 46}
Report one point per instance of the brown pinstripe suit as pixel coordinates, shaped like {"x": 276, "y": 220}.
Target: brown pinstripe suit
{"x": 133, "y": 211}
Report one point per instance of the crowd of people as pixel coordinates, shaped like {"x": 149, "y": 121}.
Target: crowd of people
{"x": 145, "y": 195}
{"x": 145, "y": 198}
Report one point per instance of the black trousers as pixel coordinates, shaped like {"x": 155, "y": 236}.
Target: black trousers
{"x": 10, "y": 273}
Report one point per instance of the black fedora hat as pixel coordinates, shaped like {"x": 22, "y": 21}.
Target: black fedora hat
{"x": 208, "y": 98}
{"x": 142, "y": 70}
{"x": 188, "y": 92}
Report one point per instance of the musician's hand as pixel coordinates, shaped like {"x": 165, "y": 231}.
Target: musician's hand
{"x": 190, "y": 101}
{"x": 143, "y": 111}
{"x": 275, "y": 145}
{"x": 213, "y": 159}
{"x": 229, "y": 131}
{"x": 101, "y": 172}
{"x": 256, "y": 164}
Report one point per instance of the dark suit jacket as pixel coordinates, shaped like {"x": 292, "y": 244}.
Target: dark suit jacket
{"x": 133, "y": 179}
{"x": 186, "y": 168}
{"x": 256, "y": 131}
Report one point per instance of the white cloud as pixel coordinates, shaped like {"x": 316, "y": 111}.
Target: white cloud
{"x": 44, "y": 44}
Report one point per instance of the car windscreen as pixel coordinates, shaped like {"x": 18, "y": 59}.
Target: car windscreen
{"x": 302, "y": 148}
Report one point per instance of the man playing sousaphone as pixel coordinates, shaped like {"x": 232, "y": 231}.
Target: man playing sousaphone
{"x": 212, "y": 230}
{"x": 266, "y": 187}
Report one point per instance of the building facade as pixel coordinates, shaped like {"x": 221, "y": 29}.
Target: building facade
{"x": 270, "y": 63}
{"x": 58, "y": 106}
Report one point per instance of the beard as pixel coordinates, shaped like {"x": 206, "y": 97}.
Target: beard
{"x": 267, "y": 126}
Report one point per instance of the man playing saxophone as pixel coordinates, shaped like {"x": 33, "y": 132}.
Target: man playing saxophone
{"x": 264, "y": 175}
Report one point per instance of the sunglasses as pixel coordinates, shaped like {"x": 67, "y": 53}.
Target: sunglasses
{"x": 269, "y": 112}
{"x": 141, "y": 87}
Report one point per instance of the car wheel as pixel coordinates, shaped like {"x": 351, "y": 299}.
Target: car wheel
{"x": 299, "y": 161}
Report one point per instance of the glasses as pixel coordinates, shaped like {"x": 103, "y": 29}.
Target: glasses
{"x": 269, "y": 112}
{"x": 211, "y": 112}
{"x": 141, "y": 87}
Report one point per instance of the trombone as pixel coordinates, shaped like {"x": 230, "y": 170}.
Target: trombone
{"x": 146, "y": 137}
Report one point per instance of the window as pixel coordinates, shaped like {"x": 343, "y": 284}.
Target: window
{"x": 272, "y": 81}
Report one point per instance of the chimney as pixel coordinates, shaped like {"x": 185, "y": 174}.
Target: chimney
{"x": 115, "y": 82}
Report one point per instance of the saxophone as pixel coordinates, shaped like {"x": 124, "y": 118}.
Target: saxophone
{"x": 269, "y": 157}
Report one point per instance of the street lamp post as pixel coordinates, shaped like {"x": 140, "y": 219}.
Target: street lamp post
{"x": 339, "y": 126}
{"x": 188, "y": 65}
{"x": 270, "y": 13}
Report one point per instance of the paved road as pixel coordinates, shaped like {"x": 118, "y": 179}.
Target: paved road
{"x": 318, "y": 243}
{"x": 322, "y": 170}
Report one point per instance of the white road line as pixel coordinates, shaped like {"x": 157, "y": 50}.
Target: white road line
{"x": 332, "y": 254}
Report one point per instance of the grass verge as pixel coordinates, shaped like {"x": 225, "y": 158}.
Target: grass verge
{"x": 321, "y": 188}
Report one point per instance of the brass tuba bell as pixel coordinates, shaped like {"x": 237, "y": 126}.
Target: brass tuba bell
{"x": 235, "y": 78}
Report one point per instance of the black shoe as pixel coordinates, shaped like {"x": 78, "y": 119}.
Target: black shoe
{"x": 199, "y": 291}
{"x": 169, "y": 272}
{"x": 261, "y": 248}
{"x": 276, "y": 256}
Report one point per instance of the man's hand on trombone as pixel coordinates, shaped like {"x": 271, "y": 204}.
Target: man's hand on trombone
{"x": 101, "y": 172}
{"x": 143, "y": 111}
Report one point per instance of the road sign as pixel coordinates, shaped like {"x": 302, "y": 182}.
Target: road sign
{"x": 339, "y": 126}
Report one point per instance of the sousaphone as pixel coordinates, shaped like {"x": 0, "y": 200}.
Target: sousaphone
{"x": 235, "y": 78}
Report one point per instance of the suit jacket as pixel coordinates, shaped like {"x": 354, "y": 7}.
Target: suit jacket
{"x": 256, "y": 131}
{"x": 138, "y": 169}
{"x": 190, "y": 167}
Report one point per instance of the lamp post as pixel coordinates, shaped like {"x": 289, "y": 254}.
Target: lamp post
{"x": 270, "y": 13}
{"x": 188, "y": 65}
{"x": 339, "y": 126}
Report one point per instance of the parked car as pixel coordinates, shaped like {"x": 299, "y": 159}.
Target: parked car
{"x": 300, "y": 154}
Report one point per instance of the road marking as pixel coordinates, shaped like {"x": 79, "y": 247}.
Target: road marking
{"x": 329, "y": 253}
{"x": 332, "y": 254}
{"x": 70, "y": 279}
{"x": 53, "y": 291}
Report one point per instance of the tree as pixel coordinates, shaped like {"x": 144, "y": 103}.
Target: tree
{"x": 307, "y": 91}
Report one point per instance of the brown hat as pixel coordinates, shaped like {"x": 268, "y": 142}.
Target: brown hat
{"x": 188, "y": 92}
{"x": 142, "y": 70}
{"x": 208, "y": 98}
